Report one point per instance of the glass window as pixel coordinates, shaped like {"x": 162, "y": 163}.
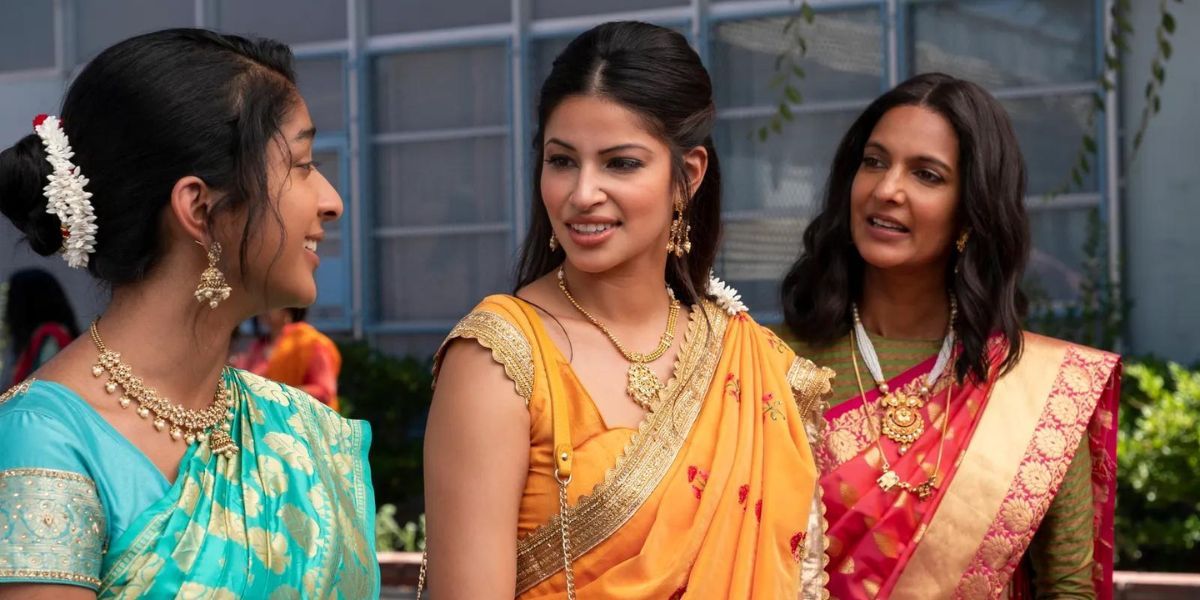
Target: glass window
{"x": 290, "y": 21}
{"x": 1006, "y": 43}
{"x": 772, "y": 188}
{"x": 1057, "y": 260}
{"x": 26, "y": 35}
{"x": 403, "y": 16}
{"x": 1050, "y": 130}
{"x": 844, "y": 59}
{"x": 440, "y": 277}
{"x": 550, "y": 9}
{"x": 102, "y": 23}
{"x": 443, "y": 182}
{"x": 456, "y": 88}
{"x": 323, "y": 84}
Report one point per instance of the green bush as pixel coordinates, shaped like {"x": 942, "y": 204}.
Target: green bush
{"x": 1158, "y": 468}
{"x": 393, "y": 395}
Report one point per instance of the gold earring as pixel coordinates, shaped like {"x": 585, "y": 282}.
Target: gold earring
{"x": 678, "y": 242}
{"x": 212, "y": 288}
{"x": 961, "y": 244}
{"x": 553, "y": 243}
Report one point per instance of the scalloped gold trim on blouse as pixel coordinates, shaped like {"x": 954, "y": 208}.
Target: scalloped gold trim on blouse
{"x": 16, "y": 390}
{"x": 509, "y": 347}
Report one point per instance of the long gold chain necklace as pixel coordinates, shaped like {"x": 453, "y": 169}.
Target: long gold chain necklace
{"x": 643, "y": 386}
{"x": 890, "y": 479}
{"x": 184, "y": 424}
{"x": 902, "y": 422}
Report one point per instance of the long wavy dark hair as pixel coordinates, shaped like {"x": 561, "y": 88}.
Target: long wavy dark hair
{"x": 821, "y": 285}
{"x": 653, "y": 72}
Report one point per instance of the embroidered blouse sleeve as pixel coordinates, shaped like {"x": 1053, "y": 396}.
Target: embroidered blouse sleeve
{"x": 52, "y": 526}
{"x": 509, "y": 347}
{"x": 810, "y": 385}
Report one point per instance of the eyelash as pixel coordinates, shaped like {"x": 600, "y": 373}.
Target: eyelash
{"x": 924, "y": 175}
{"x": 309, "y": 166}
{"x": 559, "y": 161}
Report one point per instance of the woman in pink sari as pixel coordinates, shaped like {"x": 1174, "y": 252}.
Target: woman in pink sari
{"x": 961, "y": 456}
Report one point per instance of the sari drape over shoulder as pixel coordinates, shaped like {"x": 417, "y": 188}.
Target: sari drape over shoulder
{"x": 290, "y": 516}
{"x": 700, "y": 498}
{"x": 1010, "y": 442}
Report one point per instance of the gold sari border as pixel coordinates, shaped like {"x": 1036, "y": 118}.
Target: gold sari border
{"x": 510, "y": 349}
{"x": 1080, "y": 383}
{"x": 16, "y": 390}
{"x": 643, "y": 464}
{"x": 1007, "y": 476}
{"x": 27, "y": 575}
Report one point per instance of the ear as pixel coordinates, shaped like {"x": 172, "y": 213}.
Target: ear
{"x": 191, "y": 204}
{"x": 695, "y": 164}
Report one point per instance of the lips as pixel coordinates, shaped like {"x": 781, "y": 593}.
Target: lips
{"x": 886, "y": 224}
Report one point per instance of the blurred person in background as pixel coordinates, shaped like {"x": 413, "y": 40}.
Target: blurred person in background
{"x": 38, "y": 320}
{"x": 289, "y": 350}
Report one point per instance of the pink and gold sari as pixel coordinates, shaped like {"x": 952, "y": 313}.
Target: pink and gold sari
{"x": 1008, "y": 444}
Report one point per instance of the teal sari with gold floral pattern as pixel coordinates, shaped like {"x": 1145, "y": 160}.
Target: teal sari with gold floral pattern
{"x": 290, "y": 516}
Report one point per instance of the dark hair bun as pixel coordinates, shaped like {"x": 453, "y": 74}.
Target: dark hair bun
{"x": 23, "y": 173}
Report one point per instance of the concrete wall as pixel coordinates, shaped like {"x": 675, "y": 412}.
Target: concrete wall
{"x": 1161, "y": 196}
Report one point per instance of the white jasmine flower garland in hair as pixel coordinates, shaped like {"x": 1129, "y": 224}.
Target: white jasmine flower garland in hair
{"x": 66, "y": 197}
{"x": 727, "y": 297}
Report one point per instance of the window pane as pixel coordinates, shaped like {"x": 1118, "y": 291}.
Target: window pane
{"x": 549, "y": 9}
{"x": 770, "y": 190}
{"x": 1006, "y": 43}
{"x": 462, "y": 87}
{"x": 440, "y": 277}
{"x": 331, "y": 169}
{"x": 844, "y": 59}
{"x": 542, "y": 55}
{"x": 1051, "y": 131}
{"x": 1056, "y": 263}
{"x": 443, "y": 183}
{"x": 402, "y": 16}
{"x": 322, "y": 83}
{"x": 102, "y": 23}
{"x": 26, "y": 35}
{"x": 291, "y": 21}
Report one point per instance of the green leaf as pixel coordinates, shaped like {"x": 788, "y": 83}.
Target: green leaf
{"x": 808, "y": 13}
{"x": 1076, "y": 177}
{"x": 785, "y": 111}
{"x": 1165, "y": 47}
{"x": 1106, "y": 83}
{"x": 1168, "y": 22}
{"x": 1158, "y": 71}
{"x": 793, "y": 94}
{"x": 762, "y": 134}
{"x": 777, "y": 125}
{"x": 1112, "y": 62}
{"x": 803, "y": 45}
{"x": 1089, "y": 143}
{"x": 799, "y": 71}
{"x": 1084, "y": 165}
{"x": 1149, "y": 91}
{"x": 1098, "y": 102}
{"x": 1137, "y": 140}
{"x": 1157, "y": 103}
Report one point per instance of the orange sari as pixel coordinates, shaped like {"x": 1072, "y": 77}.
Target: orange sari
{"x": 301, "y": 357}
{"x": 1009, "y": 442}
{"x": 701, "y": 498}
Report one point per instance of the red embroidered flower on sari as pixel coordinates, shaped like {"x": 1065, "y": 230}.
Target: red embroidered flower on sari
{"x": 733, "y": 387}
{"x": 758, "y": 510}
{"x": 798, "y": 545}
{"x": 742, "y": 493}
{"x": 698, "y": 478}
{"x": 772, "y": 408}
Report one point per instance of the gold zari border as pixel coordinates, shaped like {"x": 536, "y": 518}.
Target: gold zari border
{"x": 985, "y": 470}
{"x": 51, "y": 473}
{"x": 509, "y": 347}
{"x": 646, "y": 459}
{"x": 16, "y": 390}
{"x": 27, "y": 574}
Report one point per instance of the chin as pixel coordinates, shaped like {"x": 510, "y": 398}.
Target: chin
{"x": 883, "y": 258}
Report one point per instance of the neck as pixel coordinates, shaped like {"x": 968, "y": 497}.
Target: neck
{"x": 620, "y": 296}
{"x": 909, "y": 305}
{"x": 174, "y": 344}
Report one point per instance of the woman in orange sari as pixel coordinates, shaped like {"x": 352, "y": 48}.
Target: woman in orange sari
{"x": 295, "y": 353}
{"x": 576, "y": 447}
{"x": 961, "y": 457}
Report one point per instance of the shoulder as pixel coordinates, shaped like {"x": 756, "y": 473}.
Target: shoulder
{"x": 502, "y": 325}
{"x": 43, "y": 426}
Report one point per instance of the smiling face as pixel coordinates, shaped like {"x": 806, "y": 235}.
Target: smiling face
{"x": 905, "y": 195}
{"x": 606, "y": 184}
{"x": 284, "y": 254}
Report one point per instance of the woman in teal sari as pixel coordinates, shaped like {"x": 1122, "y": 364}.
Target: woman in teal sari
{"x": 135, "y": 463}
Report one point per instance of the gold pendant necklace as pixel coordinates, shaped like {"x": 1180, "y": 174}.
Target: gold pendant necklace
{"x": 184, "y": 424}
{"x": 889, "y": 479}
{"x": 643, "y": 385}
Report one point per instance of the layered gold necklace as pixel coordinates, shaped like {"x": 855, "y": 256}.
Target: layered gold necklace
{"x": 182, "y": 424}
{"x": 643, "y": 385}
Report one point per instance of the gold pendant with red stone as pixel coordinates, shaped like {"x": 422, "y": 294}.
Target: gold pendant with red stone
{"x": 902, "y": 422}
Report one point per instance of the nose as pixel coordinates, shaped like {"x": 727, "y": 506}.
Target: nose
{"x": 588, "y": 192}
{"x": 329, "y": 202}
{"x": 890, "y": 186}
